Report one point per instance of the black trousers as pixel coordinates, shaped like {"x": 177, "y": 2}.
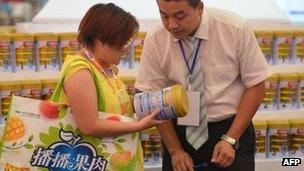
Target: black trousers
{"x": 244, "y": 157}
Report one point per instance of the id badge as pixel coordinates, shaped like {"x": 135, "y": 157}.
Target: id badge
{"x": 193, "y": 116}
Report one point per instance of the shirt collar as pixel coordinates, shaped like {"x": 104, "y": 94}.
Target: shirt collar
{"x": 203, "y": 29}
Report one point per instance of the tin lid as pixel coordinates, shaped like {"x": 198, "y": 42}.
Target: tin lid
{"x": 273, "y": 77}
{"x": 151, "y": 130}
{"x": 261, "y": 33}
{"x": 141, "y": 35}
{"x": 67, "y": 36}
{"x": 128, "y": 80}
{"x": 282, "y": 33}
{"x": 45, "y": 36}
{"x": 5, "y": 37}
{"x": 296, "y": 123}
{"x": 300, "y": 76}
{"x": 10, "y": 85}
{"x": 31, "y": 84}
{"x": 22, "y": 37}
{"x": 259, "y": 124}
{"x": 277, "y": 123}
{"x": 180, "y": 100}
{"x": 298, "y": 31}
{"x": 49, "y": 82}
{"x": 287, "y": 76}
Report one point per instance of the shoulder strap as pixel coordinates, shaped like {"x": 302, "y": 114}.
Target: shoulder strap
{"x": 57, "y": 92}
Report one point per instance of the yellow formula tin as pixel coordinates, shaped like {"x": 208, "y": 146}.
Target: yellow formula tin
{"x": 172, "y": 101}
{"x": 7, "y": 89}
{"x": 31, "y": 89}
{"x": 5, "y": 58}
{"x": 23, "y": 48}
{"x": 46, "y": 44}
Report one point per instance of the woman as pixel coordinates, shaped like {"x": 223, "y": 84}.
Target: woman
{"x": 105, "y": 33}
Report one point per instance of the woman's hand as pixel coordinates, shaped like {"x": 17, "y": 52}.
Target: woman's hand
{"x": 150, "y": 121}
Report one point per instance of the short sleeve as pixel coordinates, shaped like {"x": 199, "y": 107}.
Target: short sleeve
{"x": 76, "y": 66}
{"x": 253, "y": 66}
{"x": 150, "y": 74}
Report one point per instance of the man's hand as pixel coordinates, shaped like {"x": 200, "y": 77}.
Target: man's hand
{"x": 182, "y": 161}
{"x": 223, "y": 154}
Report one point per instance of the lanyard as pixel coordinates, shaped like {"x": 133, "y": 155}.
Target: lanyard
{"x": 98, "y": 66}
{"x": 190, "y": 70}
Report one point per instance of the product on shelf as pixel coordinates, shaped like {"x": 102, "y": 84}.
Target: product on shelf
{"x": 260, "y": 127}
{"x": 152, "y": 146}
{"x": 300, "y": 91}
{"x": 48, "y": 87}
{"x": 265, "y": 39}
{"x": 128, "y": 80}
{"x": 2, "y": 126}
{"x": 287, "y": 91}
{"x": 172, "y": 102}
{"x": 138, "y": 46}
{"x": 23, "y": 52}
{"x": 68, "y": 44}
{"x": 7, "y": 89}
{"x": 5, "y": 59}
{"x": 296, "y": 148}
{"x": 7, "y": 29}
{"x": 31, "y": 89}
{"x": 268, "y": 102}
{"x": 126, "y": 61}
{"x": 46, "y": 51}
{"x": 298, "y": 46}
{"x": 277, "y": 138}
{"x": 282, "y": 47}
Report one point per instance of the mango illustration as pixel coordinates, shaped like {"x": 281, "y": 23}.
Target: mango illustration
{"x": 121, "y": 161}
{"x": 9, "y": 167}
{"x": 15, "y": 129}
{"x": 49, "y": 109}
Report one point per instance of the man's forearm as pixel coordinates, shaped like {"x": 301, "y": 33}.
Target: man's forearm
{"x": 249, "y": 104}
{"x": 169, "y": 137}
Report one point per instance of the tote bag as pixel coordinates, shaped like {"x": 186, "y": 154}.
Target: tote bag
{"x": 42, "y": 135}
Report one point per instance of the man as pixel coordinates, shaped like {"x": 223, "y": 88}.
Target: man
{"x": 230, "y": 77}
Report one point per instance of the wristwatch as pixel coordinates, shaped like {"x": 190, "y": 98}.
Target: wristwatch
{"x": 235, "y": 143}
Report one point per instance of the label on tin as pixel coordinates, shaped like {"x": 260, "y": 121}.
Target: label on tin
{"x": 278, "y": 142}
{"x": 193, "y": 116}
{"x": 31, "y": 93}
{"x": 5, "y": 60}
{"x": 24, "y": 54}
{"x": 148, "y": 101}
{"x": 48, "y": 59}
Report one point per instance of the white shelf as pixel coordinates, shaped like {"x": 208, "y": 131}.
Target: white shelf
{"x": 18, "y": 76}
{"x": 125, "y": 72}
{"x": 287, "y": 68}
{"x": 9, "y": 76}
{"x": 287, "y": 114}
{"x": 128, "y": 72}
{"x": 153, "y": 168}
{"x": 276, "y": 164}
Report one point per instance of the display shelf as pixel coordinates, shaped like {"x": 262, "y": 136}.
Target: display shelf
{"x": 260, "y": 165}
{"x": 27, "y": 75}
{"x": 276, "y": 164}
{"x": 292, "y": 68}
{"x": 280, "y": 114}
{"x": 126, "y": 72}
{"x": 153, "y": 168}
